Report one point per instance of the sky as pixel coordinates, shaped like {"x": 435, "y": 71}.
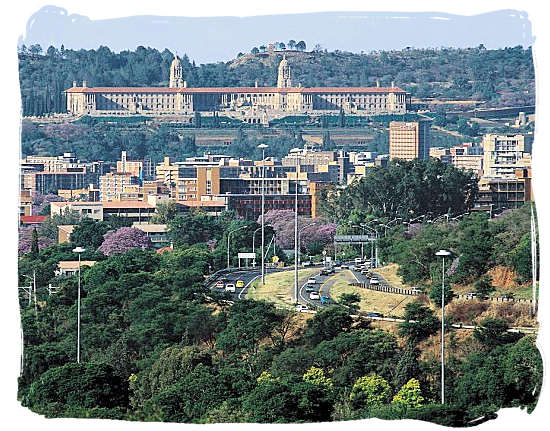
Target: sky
{"x": 211, "y": 39}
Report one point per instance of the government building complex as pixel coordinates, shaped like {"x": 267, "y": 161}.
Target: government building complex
{"x": 251, "y": 104}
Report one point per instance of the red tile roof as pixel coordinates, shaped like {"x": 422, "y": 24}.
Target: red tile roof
{"x": 202, "y": 203}
{"x": 221, "y": 90}
{"x": 33, "y": 219}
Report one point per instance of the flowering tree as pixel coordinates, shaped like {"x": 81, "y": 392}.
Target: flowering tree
{"x": 124, "y": 239}
{"x": 39, "y": 201}
{"x": 25, "y": 240}
{"x": 312, "y": 231}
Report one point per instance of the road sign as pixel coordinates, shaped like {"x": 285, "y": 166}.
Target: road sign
{"x": 247, "y": 255}
{"x": 353, "y": 239}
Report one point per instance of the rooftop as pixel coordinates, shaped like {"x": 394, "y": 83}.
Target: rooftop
{"x": 189, "y": 90}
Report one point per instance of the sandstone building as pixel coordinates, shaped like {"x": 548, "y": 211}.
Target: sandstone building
{"x": 253, "y": 104}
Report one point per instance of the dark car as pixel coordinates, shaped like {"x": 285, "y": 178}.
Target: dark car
{"x": 324, "y": 272}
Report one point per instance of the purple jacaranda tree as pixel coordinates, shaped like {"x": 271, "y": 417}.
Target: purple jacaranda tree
{"x": 39, "y": 201}
{"x": 124, "y": 239}
{"x": 311, "y": 230}
{"x": 25, "y": 240}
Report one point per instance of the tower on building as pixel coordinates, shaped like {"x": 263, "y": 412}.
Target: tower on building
{"x": 283, "y": 77}
{"x": 176, "y": 74}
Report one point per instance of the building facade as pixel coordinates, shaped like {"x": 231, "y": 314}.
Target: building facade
{"x": 410, "y": 140}
{"x": 179, "y": 99}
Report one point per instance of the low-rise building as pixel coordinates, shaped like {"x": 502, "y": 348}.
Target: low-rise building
{"x": 64, "y": 232}
{"x": 67, "y": 268}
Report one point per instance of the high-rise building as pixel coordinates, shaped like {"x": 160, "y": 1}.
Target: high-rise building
{"x": 503, "y": 154}
{"x": 410, "y": 140}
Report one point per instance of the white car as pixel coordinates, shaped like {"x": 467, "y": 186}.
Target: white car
{"x": 311, "y": 280}
{"x": 314, "y": 296}
{"x": 230, "y": 287}
{"x": 301, "y": 308}
{"x": 374, "y": 281}
{"x": 358, "y": 261}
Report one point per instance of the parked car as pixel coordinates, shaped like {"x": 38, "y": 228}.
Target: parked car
{"x": 314, "y": 295}
{"x": 308, "y": 263}
{"x": 471, "y": 295}
{"x": 219, "y": 284}
{"x": 416, "y": 290}
{"x": 326, "y": 300}
{"x": 240, "y": 283}
{"x": 374, "y": 314}
{"x": 301, "y": 308}
{"x": 230, "y": 287}
{"x": 312, "y": 280}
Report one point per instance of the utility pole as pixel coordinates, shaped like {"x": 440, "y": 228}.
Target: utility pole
{"x": 443, "y": 253}
{"x": 34, "y": 291}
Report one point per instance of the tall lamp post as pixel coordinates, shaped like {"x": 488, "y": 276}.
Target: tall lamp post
{"x": 443, "y": 254}
{"x": 79, "y": 251}
{"x": 296, "y": 251}
{"x": 253, "y": 243}
{"x": 263, "y": 147}
{"x": 229, "y": 236}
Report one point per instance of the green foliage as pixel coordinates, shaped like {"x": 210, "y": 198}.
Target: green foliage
{"x": 492, "y": 332}
{"x": 85, "y": 385}
{"x": 475, "y": 246}
{"x": 327, "y": 324}
{"x": 484, "y": 286}
{"x": 350, "y": 300}
{"x": 370, "y": 391}
{"x": 409, "y": 395}
{"x": 420, "y": 323}
{"x": 316, "y": 376}
{"x": 89, "y": 233}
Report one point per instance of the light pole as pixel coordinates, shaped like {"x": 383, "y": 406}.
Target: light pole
{"x": 79, "y": 251}
{"x": 376, "y": 246}
{"x": 253, "y": 249}
{"x": 296, "y": 236}
{"x": 263, "y": 147}
{"x": 443, "y": 253}
{"x": 229, "y": 236}
{"x": 299, "y": 240}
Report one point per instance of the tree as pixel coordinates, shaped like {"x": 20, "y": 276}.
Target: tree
{"x": 316, "y": 376}
{"x": 484, "y": 286}
{"x": 420, "y": 323}
{"x": 492, "y": 332}
{"x": 85, "y": 385}
{"x": 409, "y": 395}
{"x": 164, "y": 212}
{"x": 197, "y": 121}
{"x": 124, "y": 239}
{"x": 370, "y": 391}
{"x": 475, "y": 247}
{"x": 436, "y": 291}
{"x": 34, "y": 244}
{"x": 89, "y": 233}
{"x": 327, "y": 324}
{"x": 291, "y": 43}
{"x": 350, "y": 300}
{"x": 301, "y": 45}
{"x": 254, "y": 50}
{"x": 341, "y": 118}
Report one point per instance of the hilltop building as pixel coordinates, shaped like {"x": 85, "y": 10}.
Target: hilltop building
{"x": 254, "y": 104}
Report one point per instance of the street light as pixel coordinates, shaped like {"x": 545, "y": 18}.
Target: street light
{"x": 253, "y": 243}
{"x": 443, "y": 253}
{"x": 376, "y": 247}
{"x": 296, "y": 235}
{"x": 229, "y": 236}
{"x": 79, "y": 251}
{"x": 263, "y": 147}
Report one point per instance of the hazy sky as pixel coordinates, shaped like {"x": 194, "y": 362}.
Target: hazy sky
{"x": 221, "y": 38}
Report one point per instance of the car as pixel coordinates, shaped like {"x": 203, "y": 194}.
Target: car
{"x": 240, "y": 283}
{"x": 330, "y": 270}
{"x": 471, "y": 295}
{"x": 353, "y": 267}
{"x": 310, "y": 289}
{"x": 374, "y": 314}
{"x": 344, "y": 266}
{"x": 326, "y": 300}
{"x": 364, "y": 271}
{"x": 508, "y": 296}
{"x": 416, "y": 290}
{"x": 308, "y": 263}
{"x": 358, "y": 261}
{"x": 301, "y": 308}
{"x": 230, "y": 287}
{"x": 324, "y": 272}
{"x": 337, "y": 264}
{"x": 314, "y": 295}
{"x": 219, "y": 284}
{"x": 374, "y": 281}
{"x": 312, "y": 280}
